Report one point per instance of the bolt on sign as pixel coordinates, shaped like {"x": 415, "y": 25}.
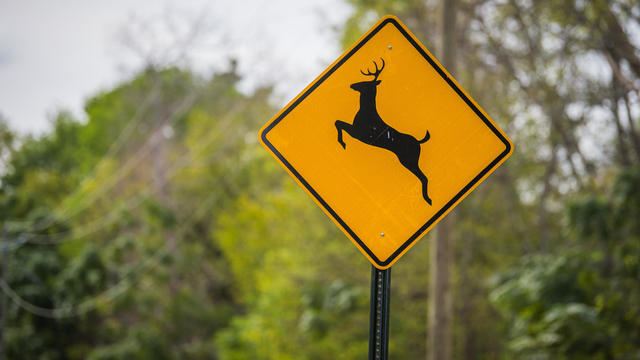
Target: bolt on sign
{"x": 386, "y": 142}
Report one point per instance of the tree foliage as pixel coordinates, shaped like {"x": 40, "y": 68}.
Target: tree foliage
{"x": 158, "y": 228}
{"x": 581, "y": 303}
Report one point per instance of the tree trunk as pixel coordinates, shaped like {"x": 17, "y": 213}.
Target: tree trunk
{"x": 635, "y": 139}
{"x": 623, "y": 152}
{"x": 440, "y": 305}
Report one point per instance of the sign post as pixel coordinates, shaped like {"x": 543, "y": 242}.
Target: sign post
{"x": 386, "y": 142}
{"x": 379, "y": 313}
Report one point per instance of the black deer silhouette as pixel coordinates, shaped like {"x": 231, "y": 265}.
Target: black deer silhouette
{"x": 369, "y": 128}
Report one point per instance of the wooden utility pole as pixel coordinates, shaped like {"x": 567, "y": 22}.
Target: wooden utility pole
{"x": 440, "y": 300}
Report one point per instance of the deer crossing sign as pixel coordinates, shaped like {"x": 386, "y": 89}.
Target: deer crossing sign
{"x": 386, "y": 142}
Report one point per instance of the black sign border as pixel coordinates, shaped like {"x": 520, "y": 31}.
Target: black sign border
{"x": 449, "y": 204}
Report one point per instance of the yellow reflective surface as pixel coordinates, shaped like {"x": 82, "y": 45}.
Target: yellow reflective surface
{"x": 365, "y": 189}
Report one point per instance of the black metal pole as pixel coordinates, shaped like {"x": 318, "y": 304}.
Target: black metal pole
{"x": 379, "y": 314}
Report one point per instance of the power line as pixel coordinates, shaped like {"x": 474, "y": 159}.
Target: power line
{"x": 112, "y": 150}
{"x": 132, "y": 203}
{"x": 108, "y": 295}
{"x": 133, "y": 161}
{"x": 179, "y": 47}
{"x": 114, "y": 291}
{"x": 84, "y": 306}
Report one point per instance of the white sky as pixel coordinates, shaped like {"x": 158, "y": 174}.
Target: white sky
{"x": 56, "y": 54}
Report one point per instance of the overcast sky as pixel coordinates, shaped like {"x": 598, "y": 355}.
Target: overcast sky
{"x": 56, "y": 54}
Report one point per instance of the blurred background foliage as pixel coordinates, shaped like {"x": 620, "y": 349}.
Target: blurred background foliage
{"x": 160, "y": 229}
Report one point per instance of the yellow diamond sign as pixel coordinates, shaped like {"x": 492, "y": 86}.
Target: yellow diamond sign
{"x": 386, "y": 142}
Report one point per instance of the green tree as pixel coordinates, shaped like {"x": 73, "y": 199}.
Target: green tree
{"x": 581, "y": 303}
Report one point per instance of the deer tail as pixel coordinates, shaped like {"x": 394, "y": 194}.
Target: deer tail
{"x": 426, "y": 137}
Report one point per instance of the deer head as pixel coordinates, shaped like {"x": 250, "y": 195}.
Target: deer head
{"x": 368, "y": 86}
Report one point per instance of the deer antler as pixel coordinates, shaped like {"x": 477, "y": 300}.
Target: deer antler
{"x": 376, "y": 73}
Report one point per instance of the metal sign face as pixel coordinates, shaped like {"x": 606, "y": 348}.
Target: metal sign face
{"x": 386, "y": 142}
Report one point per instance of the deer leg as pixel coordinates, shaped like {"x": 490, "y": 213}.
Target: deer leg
{"x": 341, "y": 125}
{"x": 411, "y": 163}
{"x": 423, "y": 179}
{"x": 425, "y": 193}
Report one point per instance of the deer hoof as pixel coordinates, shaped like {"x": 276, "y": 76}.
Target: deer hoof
{"x": 344, "y": 146}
